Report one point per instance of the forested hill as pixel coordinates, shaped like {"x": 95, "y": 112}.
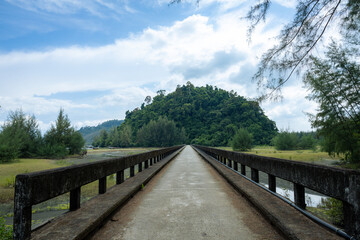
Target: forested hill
{"x": 209, "y": 115}
{"x": 89, "y": 133}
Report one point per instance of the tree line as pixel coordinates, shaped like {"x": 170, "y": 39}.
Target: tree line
{"x": 157, "y": 133}
{"x": 284, "y": 140}
{"x": 20, "y": 137}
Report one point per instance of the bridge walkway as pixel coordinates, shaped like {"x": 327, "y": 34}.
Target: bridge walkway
{"x": 188, "y": 199}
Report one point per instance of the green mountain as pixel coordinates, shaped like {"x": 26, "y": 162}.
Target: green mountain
{"x": 89, "y": 133}
{"x": 209, "y": 115}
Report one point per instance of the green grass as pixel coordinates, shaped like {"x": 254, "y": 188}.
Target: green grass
{"x": 308, "y": 156}
{"x": 8, "y": 171}
{"x": 53, "y": 207}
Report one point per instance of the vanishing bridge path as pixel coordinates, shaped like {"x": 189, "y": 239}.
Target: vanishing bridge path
{"x": 191, "y": 192}
{"x": 188, "y": 199}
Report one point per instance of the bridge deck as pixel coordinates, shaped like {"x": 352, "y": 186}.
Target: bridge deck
{"x": 187, "y": 200}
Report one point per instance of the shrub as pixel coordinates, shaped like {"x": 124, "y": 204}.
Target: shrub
{"x": 285, "y": 141}
{"x": 8, "y": 153}
{"x": 242, "y": 140}
{"x": 307, "y": 142}
{"x": 333, "y": 208}
{"x": 160, "y": 133}
{"x": 6, "y": 231}
{"x": 56, "y": 151}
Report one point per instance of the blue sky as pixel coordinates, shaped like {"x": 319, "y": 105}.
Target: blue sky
{"x": 99, "y": 58}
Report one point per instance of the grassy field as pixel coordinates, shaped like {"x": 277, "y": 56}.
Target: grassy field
{"x": 8, "y": 172}
{"x": 309, "y": 156}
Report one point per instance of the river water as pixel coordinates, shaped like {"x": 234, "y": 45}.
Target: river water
{"x": 285, "y": 189}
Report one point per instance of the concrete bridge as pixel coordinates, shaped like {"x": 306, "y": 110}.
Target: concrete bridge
{"x": 191, "y": 192}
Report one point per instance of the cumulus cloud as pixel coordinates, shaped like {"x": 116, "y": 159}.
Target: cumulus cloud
{"x": 291, "y": 112}
{"x": 205, "y": 51}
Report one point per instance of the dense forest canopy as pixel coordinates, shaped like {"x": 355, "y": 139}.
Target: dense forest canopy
{"x": 209, "y": 115}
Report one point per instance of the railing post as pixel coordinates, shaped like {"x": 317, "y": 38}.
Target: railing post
{"x": 272, "y": 182}
{"x": 75, "y": 199}
{"x": 146, "y": 163}
{"x": 102, "y": 185}
{"x": 22, "y": 208}
{"x": 255, "y": 175}
{"x": 132, "y": 171}
{"x": 120, "y": 177}
{"x": 243, "y": 169}
{"x": 151, "y": 161}
{"x": 299, "y": 195}
{"x": 229, "y": 163}
{"x": 140, "y": 167}
{"x": 236, "y": 166}
{"x": 352, "y": 219}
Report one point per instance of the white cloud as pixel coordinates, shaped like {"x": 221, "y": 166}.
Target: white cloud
{"x": 287, "y": 3}
{"x": 290, "y": 113}
{"x": 202, "y": 50}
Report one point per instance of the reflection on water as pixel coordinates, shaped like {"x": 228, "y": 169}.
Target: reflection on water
{"x": 286, "y": 189}
{"x": 312, "y": 200}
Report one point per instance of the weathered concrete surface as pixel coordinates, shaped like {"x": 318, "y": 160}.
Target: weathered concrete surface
{"x": 187, "y": 200}
{"x": 80, "y": 223}
{"x": 342, "y": 184}
{"x": 287, "y": 219}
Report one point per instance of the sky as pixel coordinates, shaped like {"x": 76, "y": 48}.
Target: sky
{"x": 97, "y": 59}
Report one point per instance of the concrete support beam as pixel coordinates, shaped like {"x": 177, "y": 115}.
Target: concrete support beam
{"x": 236, "y": 166}
{"x": 132, "y": 171}
{"x": 75, "y": 199}
{"x": 243, "y": 169}
{"x": 229, "y": 163}
{"x": 255, "y": 175}
{"x": 120, "y": 177}
{"x": 102, "y": 185}
{"x": 299, "y": 195}
{"x": 272, "y": 182}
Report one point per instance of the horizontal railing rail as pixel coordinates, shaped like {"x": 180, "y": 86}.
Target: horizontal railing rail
{"x": 37, "y": 187}
{"x": 342, "y": 184}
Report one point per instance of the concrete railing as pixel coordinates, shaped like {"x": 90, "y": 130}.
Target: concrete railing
{"x": 341, "y": 184}
{"x": 37, "y": 187}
